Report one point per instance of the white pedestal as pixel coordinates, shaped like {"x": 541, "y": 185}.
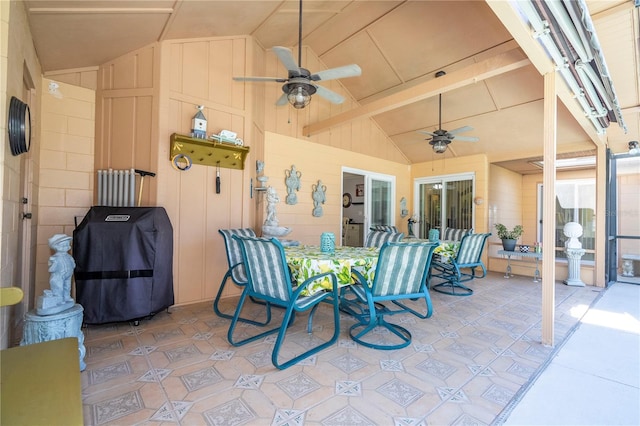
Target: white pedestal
{"x": 42, "y": 328}
{"x": 574, "y": 256}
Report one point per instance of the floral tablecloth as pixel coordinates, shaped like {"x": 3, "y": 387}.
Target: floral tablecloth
{"x": 446, "y": 250}
{"x": 307, "y": 261}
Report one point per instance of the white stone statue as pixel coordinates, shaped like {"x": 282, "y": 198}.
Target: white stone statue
{"x": 270, "y": 228}
{"x": 272, "y": 200}
{"x": 572, "y": 230}
{"x": 61, "y": 265}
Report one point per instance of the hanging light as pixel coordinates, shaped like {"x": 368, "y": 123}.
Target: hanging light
{"x": 634, "y": 148}
{"x": 299, "y": 96}
{"x": 439, "y": 147}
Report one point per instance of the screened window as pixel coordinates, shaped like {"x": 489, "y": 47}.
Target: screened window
{"x": 575, "y": 202}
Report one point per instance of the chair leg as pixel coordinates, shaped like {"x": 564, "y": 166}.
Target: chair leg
{"x": 236, "y": 318}
{"x": 401, "y": 332}
{"x": 453, "y": 288}
{"x": 283, "y": 329}
{"x": 218, "y": 312}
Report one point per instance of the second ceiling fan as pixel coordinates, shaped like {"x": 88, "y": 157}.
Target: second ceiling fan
{"x": 300, "y": 83}
{"x": 440, "y": 138}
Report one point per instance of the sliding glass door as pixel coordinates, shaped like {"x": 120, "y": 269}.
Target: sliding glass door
{"x": 379, "y": 200}
{"x": 444, "y": 201}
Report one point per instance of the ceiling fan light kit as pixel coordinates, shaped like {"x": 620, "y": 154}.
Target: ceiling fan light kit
{"x": 298, "y": 86}
{"x": 440, "y": 138}
{"x": 299, "y": 94}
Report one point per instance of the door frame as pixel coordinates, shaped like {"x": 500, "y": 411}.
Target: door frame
{"x": 368, "y": 177}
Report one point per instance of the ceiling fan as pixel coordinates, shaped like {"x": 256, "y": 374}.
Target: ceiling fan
{"x": 440, "y": 138}
{"x": 300, "y": 83}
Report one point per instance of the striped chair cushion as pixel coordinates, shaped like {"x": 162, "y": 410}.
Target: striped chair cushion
{"x": 455, "y": 234}
{"x": 234, "y": 251}
{"x": 267, "y": 268}
{"x": 384, "y": 228}
{"x": 471, "y": 248}
{"x": 378, "y": 238}
{"x": 402, "y": 268}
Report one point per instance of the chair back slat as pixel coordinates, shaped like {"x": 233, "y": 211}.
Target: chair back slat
{"x": 266, "y": 267}
{"x": 378, "y": 238}
{"x": 234, "y": 251}
{"x": 402, "y": 268}
{"x": 471, "y": 248}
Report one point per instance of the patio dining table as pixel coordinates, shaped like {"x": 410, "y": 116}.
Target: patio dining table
{"x": 306, "y": 261}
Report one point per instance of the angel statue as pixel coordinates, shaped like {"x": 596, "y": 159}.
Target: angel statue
{"x": 292, "y": 179}
{"x": 318, "y": 198}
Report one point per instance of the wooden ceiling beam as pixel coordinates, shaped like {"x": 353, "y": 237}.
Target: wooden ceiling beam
{"x": 474, "y": 73}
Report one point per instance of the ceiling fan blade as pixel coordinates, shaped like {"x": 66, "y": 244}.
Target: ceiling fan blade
{"x": 286, "y": 57}
{"x": 466, "y": 138}
{"x": 460, "y": 130}
{"x": 276, "y": 79}
{"x": 282, "y": 100}
{"x": 329, "y": 95}
{"x": 352, "y": 70}
{"x": 426, "y": 133}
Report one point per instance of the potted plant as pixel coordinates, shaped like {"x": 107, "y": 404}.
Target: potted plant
{"x": 509, "y": 238}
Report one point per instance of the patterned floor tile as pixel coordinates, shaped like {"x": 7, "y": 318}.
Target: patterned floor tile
{"x": 348, "y": 388}
{"x": 348, "y": 416}
{"x": 298, "y": 385}
{"x": 288, "y": 418}
{"x": 234, "y": 412}
{"x": 400, "y": 392}
{"x": 115, "y": 408}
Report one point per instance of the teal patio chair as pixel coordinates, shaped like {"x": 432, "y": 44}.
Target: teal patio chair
{"x": 236, "y": 272}
{"x": 462, "y": 267}
{"x": 378, "y": 238}
{"x": 401, "y": 274}
{"x": 268, "y": 280}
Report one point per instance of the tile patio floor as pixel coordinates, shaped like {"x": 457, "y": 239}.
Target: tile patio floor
{"x": 465, "y": 365}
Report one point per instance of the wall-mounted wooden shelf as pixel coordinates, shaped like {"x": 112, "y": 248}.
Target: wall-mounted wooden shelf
{"x": 209, "y": 152}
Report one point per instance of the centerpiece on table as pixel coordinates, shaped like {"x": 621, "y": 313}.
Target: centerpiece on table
{"x": 509, "y": 238}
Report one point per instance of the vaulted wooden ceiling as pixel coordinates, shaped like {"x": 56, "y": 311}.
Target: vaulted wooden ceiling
{"x": 490, "y": 84}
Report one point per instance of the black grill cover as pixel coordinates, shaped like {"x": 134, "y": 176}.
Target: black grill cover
{"x": 124, "y": 263}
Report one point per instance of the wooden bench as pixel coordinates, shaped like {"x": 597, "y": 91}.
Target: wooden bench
{"x": 41, "y": 384}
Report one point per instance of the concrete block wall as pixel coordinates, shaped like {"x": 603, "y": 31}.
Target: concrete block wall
{"x": 66, "y": 167}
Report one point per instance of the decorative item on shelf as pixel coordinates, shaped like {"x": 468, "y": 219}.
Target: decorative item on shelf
{"x": 199, "y": 124}
{"x": 412, "y": 220}
{"x": 319, "y": 197}
{"x": 227, "y": 136}
{"x": 524, "y": 249}
{"x": 537, "y": 247}
{"x": 360, "y": 190}
{"x": 509, "y": 238}
{"x": 434, "y": 235}
{"x": 327, "y": 242}
{"x": 292, "y": 180}
{"x": 403, "y": 207}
